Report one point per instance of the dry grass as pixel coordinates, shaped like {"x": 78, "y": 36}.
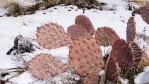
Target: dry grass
{"x": 141, "y": 2}
{"x": 14, "y": 9}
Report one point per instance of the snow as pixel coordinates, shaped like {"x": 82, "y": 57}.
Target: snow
{"x": 27, "y": 26}
{"x": 143, "y": 77}
{"x": 124, "y": 81}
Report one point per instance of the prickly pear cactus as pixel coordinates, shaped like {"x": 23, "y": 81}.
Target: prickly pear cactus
{"x": 122, "y": 53}
{"x": 86, "y": 23}
{"x": 112, "y": 72}
{"x": 92, "y": 78}
{"x": 51, "y": 36}
{"x": 144, "y": 12}
{"x": 106, "y": 36}
{"x": 128, "y": 56}
{"x": 85, "y": 56}
{"x": 76, "y": 31}
{"x": 131, "y": 29}
{"x": 45, "y": 66}
{"x": 134, "y": 68}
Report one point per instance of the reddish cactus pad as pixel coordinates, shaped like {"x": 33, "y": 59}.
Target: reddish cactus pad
{"x": 106, "y": 36}
{"x": 131, "y": 29}
{"x": 76, "y": 31}
{"x": 144, "y": 11}
{"x": 112, "y": 71}
{"x": 85, "y": 56}
{"x": 92, "y": 78}
{"x": 45, "y": 66}
{"x": 122, "y": 53}
{"x": 86, "y": 23}
{"x": 51, "y": 36}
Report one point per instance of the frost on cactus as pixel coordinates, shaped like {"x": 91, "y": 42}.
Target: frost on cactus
{"x": 106, "y": 36}
{"x": 76, "y": 31}
{"x": 85, "y": 56}
{"x": 144, "y": 11}
{"x": 122, "y": 53}
{"x": 92, "y": 78}
{"x": 45, "y": 66}
{"x": 112, "y": 72}
{"x": 86, "y": 23}
{"x": 131, "y": 29}
{"x": 51, "y": 36}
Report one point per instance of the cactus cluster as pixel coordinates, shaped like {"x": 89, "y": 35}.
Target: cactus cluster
{"x": 106, "y": 36}
{"x": 144, "y": 11}
{"x": 131, "y": 29}
{"x": 86, "y": 23}
{"x": 52, "y": 36}
{"x": 45, "y": 66}
{"x": 85, "y": 56}
{"x": 127, "y": 56}
{"x": 76, "y": 31}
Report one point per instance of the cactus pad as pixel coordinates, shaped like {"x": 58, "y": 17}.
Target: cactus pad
{"x": 144, "y": 11}
{"x": 85, "y": 56}
{"x": 131, "y": 29}
{"x": 86, "y": 23}
{"x": 106, "y": 36}
{"x": 76, "y": 31}
{"x": 137, "y": 53}
{"x": 112, "y": 71}
{"x": 122, "y": 53}
{"x": 92, "y": 78}
{"x": 45, "y": 66}
{"x": 51, "y": 36}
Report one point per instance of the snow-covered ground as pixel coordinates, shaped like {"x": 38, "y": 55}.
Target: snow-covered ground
{"x": 27, "y": 26}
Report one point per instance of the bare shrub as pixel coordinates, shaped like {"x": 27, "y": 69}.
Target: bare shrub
{"x": 50, "y": 3}
{"x": 21, "y": 45}
{"x": 87, "y": 4}
{"x": 14, "y": 9}
{"x": 69, "y": 2}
